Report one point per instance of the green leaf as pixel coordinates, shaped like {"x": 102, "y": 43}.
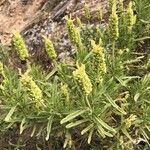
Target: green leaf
{"x": 73, "y": 124}
{"x": 121, "y": 81}
{"x": 138, "y": 59}
{"x": 124, "y": 80}
{"x": 8, "y": 117}
{"x": 33, "y": 131}
{"x": 87, "y": 128}
{"x": 105, "y": 125}
{"x": 51, "y": 73}
{"x": 22, "y": 125}
{"x": 126, "y": 133}
{"x": 72, "y": 116}
{"x": 136, "y": 97}
{"x": 143, "y": 38}
{"x": 49, "y": 126}
{"x": 90, "y": 136}
{"x": 68, "y": 140}
{"x": 112, "y": 102}
{"x": 101, "y": 131}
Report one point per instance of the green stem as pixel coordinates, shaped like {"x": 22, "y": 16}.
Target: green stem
{"x": 113, "y": 55}
{"x": 88, "y": 103}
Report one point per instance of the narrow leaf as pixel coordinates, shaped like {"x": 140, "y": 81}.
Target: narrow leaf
{"x": 33, "y": 131}
{"x": 8, "y": 117}
{"x": 22, "y": 125}
{"x": 72, "y": 116}
{"x": 90, "y": 136}
{"x": 49, "y": 126}
{"x": 101, "y": 131}
{"x": 51, "y": 73}
{"x": 105, "y": 125}
{"x": 127, "y": 134}
{"x": 136, "y": 97}
{"x": 73, "y": 124}
{"x": 112, "y": 102}
{"x": 87, "y": 128}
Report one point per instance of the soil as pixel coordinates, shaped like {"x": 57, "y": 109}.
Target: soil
{"x": 15, "y": 15}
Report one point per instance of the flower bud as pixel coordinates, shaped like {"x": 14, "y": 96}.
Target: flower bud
{"x": 130, "y": 18}
{"x": 80, "y": 75}
{"x": 99, "y": 13}
{"x": 65, "y": 92}
{"x": 2, "y": 75}
{"x": 87, "y": 12}
{"x": 1, "y": 69}
{"x": 113, "y": 25}
{"x": 99, "y": 65}
{"x": 20, "y": 46}
{"x": 32, "y": 88}
{"x": 111, "y": 3}
{"x": 49, "y": 48}
{"x": 74, "y": 33}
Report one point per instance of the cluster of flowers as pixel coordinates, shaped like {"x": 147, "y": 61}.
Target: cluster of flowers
{"x": 99, "y": 65}
{"x": 32, "y": 88}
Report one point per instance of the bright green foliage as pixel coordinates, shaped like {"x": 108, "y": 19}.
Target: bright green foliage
{"x": 20, "y": 46}
{"x": 113, "y": 25}
{"x": 80, "y": 75}
{"x": 103, "y": 99}
{"x": 49, "y": 48}
{"x": 99, "y": 64}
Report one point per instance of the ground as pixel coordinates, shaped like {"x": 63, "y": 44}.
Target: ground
{"x": 15, "y": 15}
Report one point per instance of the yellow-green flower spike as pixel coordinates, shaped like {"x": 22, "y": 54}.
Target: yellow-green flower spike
{"x": 2, "y": 76}
{"x": 20, "y": 46}
{"x": 49, "y": 48}
{"x": 74, "y": 33}
{"x": 99, "y": 64}
{"x": 121, "y": 5}
{"x": 130, "y": 18}
{"x": 82, "y": 78}
{"x": 32, "y": 88}
{"x": 1, "y": 69}
{"x": 87, "y": 12}
{"x": 113, "y": 25}
{"x": 99, "y": 13}
{"x": 111, "y": 3}
{"x": 65, "y": 91}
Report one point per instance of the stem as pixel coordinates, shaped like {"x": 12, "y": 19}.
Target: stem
{"x": 88, "y": 103}
{"x": 113, "y": 55}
